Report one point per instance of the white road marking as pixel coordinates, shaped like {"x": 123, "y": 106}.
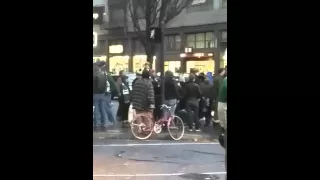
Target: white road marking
{"x": 152, "y": 144}
{"x": 149, "y": 175}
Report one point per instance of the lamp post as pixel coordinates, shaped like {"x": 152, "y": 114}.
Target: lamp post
{"x": 161, "y": 59}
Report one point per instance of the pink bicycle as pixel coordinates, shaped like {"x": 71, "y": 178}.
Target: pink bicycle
{"x": 142, "y": 126}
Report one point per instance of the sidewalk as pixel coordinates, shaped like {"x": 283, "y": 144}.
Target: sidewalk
{"x": 207, "y": 134}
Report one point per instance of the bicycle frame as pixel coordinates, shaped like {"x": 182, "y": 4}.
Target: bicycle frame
{"x": 166, "y": 120}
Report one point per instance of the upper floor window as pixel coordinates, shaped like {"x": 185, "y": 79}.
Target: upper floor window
{"x": 201, "y": 40}
{"x": 138, "y": 47}
{"x": 173, "y": 42}
{"x": 223, "y": 3}
{"x": 116, "y": 13}
{"x": 224, "y": 36}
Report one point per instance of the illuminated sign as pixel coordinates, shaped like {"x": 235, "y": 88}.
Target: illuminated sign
{"x": 95, "y": 15}
{"x": 199, "y": 55}
{"x": 95, "y": 39}
{"x": 116, "y": 49}
{"x": 188, "y": 50}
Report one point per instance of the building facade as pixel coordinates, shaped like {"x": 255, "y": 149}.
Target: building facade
{"x": 196, "y": 38}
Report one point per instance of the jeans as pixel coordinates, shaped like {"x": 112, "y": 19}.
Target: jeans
{"x": 193, "y": 114}
{"x": 172, "y": 103}
{"x": 225, "y": 146}
{"x": 100, "y": 114}
{"x": 222, "y": 113}
{"x": 109, "y": 108}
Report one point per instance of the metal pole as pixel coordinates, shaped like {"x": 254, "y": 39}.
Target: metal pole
{"x": 161, "y": 58}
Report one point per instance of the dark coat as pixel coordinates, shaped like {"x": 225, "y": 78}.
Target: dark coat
{"x": 142, "y": 94}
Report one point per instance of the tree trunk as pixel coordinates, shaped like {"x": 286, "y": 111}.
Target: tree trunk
{"x": 150, "y": 59}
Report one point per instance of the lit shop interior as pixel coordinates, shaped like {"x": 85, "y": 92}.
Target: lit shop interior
{"x": 173, "y": 66}
{"x": 203, "y": 62}
{"x": 118, "y": 63}
{"x": 139, "y": 62}
{"x": 100, "y": 58}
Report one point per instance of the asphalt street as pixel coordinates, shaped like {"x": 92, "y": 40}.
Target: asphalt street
{"x": 157, "y": 159}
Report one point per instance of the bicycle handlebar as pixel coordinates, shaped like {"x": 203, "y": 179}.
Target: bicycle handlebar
{"x": 168, "y": 107}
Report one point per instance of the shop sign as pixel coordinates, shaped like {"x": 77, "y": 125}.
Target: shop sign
{"x": 198, "y": 2}
{"x": 116, "y": 49}
{"x": 188, "y": 50}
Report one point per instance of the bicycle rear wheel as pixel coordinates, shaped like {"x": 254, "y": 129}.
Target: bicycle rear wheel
{"x": 142, "y": 127}
{"x": 175, "y": 128}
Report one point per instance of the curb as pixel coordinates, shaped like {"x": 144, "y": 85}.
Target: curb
{"x": 117, "y": 134}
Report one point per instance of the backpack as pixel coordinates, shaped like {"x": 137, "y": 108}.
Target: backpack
{"x": 125, "y": 93}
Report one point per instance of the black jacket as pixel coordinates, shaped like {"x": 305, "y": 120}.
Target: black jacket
{"x": 205, "y": 87}
{"x": 171, "y": 89}
{"x": 99, "y": 83}
{"x": 192, "y": 91}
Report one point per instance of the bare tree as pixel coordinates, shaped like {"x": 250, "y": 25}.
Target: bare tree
{"x": 146, "y": 14}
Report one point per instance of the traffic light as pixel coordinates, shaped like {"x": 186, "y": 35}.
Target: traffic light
{"x": 155, "y": 34}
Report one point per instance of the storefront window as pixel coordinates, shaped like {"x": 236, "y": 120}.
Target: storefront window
{"x": 139, "y": 62}
{"x": 118, "y": 63}
{"x": 202, "y": 66}
{"x": 173, "y": 66}
{"x": 100, "y": 58}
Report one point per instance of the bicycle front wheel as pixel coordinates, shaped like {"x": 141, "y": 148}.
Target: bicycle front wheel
{"x": 142, "y": 127}
{"x": 175, "y": 128}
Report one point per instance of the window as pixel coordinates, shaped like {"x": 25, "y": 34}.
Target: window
{"x": 191, "y": 40}
{"x": 223, "y": 3}
{"x": 201, "y": 40}
{"x": 173, "y": 42}
{"x": 116, "y": 14}
{"x": 138, "y": 47}
{"x": 224, "y": 36}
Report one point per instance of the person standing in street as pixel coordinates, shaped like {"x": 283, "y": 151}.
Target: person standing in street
{"x": 143, "y": 101}
{"x": 192, "y": 93}
{"x": 99, "y": 102}
{"x": 222, "y": 112}
{"x": 119, "y": 82}
{"x": 217, "y": 79}
{"x": 205, "y": 87}
{"x": 108, "y": 101}
{"x": 171, "y": 92}
{"x": 124, "y": 100}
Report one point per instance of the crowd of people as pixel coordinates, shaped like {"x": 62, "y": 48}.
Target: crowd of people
{"x": 195, "y": 95}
